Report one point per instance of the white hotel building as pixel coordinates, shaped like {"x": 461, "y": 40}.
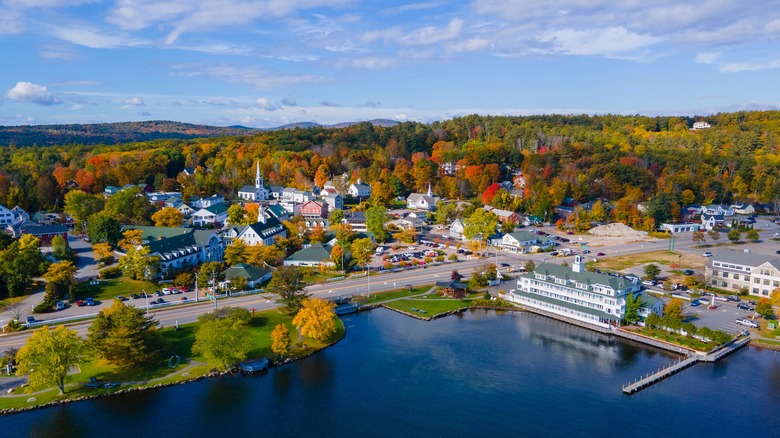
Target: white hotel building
{"x": 593, "y": 298}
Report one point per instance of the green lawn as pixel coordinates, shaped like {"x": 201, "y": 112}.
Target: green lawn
{"x": 393, "y": 294}
{"x": 179, "y": 343}
{"x": 431, "y": 307}
{"x": 676, "y": 338}
{"x": 108, "y": 289}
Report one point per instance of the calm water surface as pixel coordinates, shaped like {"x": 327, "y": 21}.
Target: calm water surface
{"x": 478, "y": 374}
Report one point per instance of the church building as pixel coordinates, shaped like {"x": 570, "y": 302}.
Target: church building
{"x": 256, "y": 192}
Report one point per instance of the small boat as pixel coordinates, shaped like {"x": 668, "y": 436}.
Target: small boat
{"x": 253, "y": 366}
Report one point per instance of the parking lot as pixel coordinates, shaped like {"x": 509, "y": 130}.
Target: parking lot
{"x": 723, "y": 317}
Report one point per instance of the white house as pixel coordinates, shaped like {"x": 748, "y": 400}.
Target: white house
{"x": 701, "y": 125}
{"x": 334, "y": 201}
{"x": 574, "y": 293}
{"x": 359, "y": 190}
{"x": 257, "y": 192}
{"x": 711, "y": 221}
{"x": 208, "y": 202}
{"x": 716, "y": 209}
{"x": 6, "y": 216}
{"x": 420, "y": 201}
{"x": 743, "y": 209}
{"x": 650, "y": 304}
{"x": 185, "y": 209}
{"x": 525, "y": 242}
{"x": 680, "y": 228}
{"x": 263, "y": 232}
{"x": 216, "y": 213}
{"x": 738, "y": 270}
{"x": 314, "y": 255}
{"x": 456, "y": 229}
{"x": 191, "y": 248}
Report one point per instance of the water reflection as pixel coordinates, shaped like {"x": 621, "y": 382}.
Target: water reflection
{"x": 60, "y": 422}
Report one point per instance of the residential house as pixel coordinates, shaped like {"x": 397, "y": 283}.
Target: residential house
{"x": 45, "y": 233}
{"x": 254, "y": 276}
{"x": 504, "y": 216}
{"x": 740, "y": 270}
{"x": 650, "y": 304}
{"x": 420, "y": 201}
{"x": 111, "y": 190}
{"x": 573, "y": 292}
{"x": 275, "y": 192}
{"x": 208, "y": 202}
{"x": 700, "y": 125}
{"x": 673, "y": 228}
{"x": 185, "y": 209}
{"x": 357, "y": 220}
{"x": 524, "y": 242}
{"x": 214, "y": 214}
{"x": 262, "y": 232}
{"x": 745, "y": 209}
{"x": 712, "y": 221}
{"x": 313, "y": 256}
{"x": 456, "y": 229}
{"x": 718, "y": 210}
{"x": 314, "y": 209}
{"x": 276, "y": 211}
{"x": 334, "y": 201}
{"x": 7, "y": 216}
{"x": 359, "y": 190}
{"x": 257, "y": 192}
{"x": 531, "y": 220}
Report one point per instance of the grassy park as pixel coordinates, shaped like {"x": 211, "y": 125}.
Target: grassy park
{"x": 106, "y": 290}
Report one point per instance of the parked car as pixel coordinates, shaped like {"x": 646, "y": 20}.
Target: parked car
{"x": 80, "y": 303}
{"x": 90, "y": 301}
{"x": 601, "y": 254}
{"x": 733, "y": 298}
{"x": 649, "y": 283}
{"x": 707, "y": 254}
{"x": 695, "y": 303}
{"x": 505, "y": 265}
{"x": 746, "y": 322}
{"x": 166, "y": 291}
{"x": 120, "y": 297}
{"x": 688, "y": 272}
{"x": 135, "y": 296}
{"x": 31, "y": 320}
{"x": 184, "y": 289}
{"x": 744, "y": 306}
{"x": 60, "y": 305}
{"x": 158, "y": 293}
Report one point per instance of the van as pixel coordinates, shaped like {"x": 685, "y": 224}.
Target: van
{"x": 380, "y": 250}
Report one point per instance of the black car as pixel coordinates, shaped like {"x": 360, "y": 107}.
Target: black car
{"x": 135, "y": 296}
{"x": 158, "y": 293}
{"x": 744, "y": 306}
{"x": 587, "y": 251}
{"x": 688, "y": 272}
{"x": 504, "y": 265}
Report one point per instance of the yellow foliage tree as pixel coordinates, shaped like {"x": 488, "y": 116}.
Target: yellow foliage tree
{"x": 280, "y": 340}
{"x": 236, "y": 252}
{"x": 316, "y": 319}
{"x": 168, "y": 217}
{"x": 103, "y": 251}
{"x": 131, "y": 239}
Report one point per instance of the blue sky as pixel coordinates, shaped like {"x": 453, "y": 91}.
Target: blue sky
{"x": 265, "y": 63}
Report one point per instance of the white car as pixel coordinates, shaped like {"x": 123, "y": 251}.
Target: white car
{"x": 166, "y": 291}
{"x": 746, "y": 322}
{"x": 707, "y": 254}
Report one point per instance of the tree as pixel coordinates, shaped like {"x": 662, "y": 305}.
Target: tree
{"x": 168, "y": 217}
{"x": 481, "y": 223}
{"x": 698, "y": 237}
{"x": 138, "y": 264}
{"x": 125, "y": 336}
{"x": 361, "y": 250}
{"x": 287, "y": 282}
{"x": 734, "y": 235}
{"x": 714, "y": 235}
{"x": 235, "y": 252}
{"x": 235, "y": 214}
{"x": 211, "y": 273}
{"x": 633, "y": 304}
{"x": 184, "y": 279}
{"x": 20, "y": 262}
{"x": 103, "y": 228}
{"x": 335, "y": 217}
{"x": 48, "y": 355}
{"x": 60, "y": 280}
{"x": 131, "y": 239}
{"x": 223, "y": 342}
{"x": 530, "y": 266}
{"x": 674, "y": 309}
{"x": 375, "y": 222}
{"x": 129, "y": 206}
{"x": 317, "y": 235}
{"x": 652, "y": 271}
{"x": 280, "y": 339}
{"x": 60, "y": 249}
{"x": 455, "y": 275}
{"x": 103, "y": 252}
{"x": 345, "y": 235}
{"x": 752, "y": 235}
{"x": 764, "y": 308}
{"x": 81, "y": 206}
{"x": 316, "y": 319}
{"x": 337, "y": 256}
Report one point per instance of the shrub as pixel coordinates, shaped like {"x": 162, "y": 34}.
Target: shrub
{"x": 453, "y": 257}
{"x": 112, "y": 272}
{"x": 15, "y": 326}
{"x": 44, "y": 307}
{"x": 387, "y": 265}
{"x": 440, "y": 258}
{"x": 428, "y": 260}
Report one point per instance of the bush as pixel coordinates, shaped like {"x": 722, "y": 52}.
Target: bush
{"x": 44, "y": 307}
{"x": 453, "y": 257}
{"x": 439, "y": 258}
{"x": 112, "y": 272}
{"x": 387, "y": 265}
{"x": 15, "y": 326}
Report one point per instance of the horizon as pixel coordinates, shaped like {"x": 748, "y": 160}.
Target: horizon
{"x": 266, "y": 64}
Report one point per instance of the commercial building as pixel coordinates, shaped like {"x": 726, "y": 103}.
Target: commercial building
{"x": 742, "y": 270}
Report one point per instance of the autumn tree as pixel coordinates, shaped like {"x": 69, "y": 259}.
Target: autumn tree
{"x": 317, "y": 235}
{"x": 81, "y": 205}
{"x": 490, "y": 193}
{"x": 236, "y": 252}
{"x": 280, "y": 340}
{"x": 674, "y": 309}
{"x": 698, "y": 237}
{"x": 125, "y": 336}
{"x": 103, "y": 252}
{"x": 734, "y": 235}
{"x": 103, "y": 228}
{"x": 236, "y": 214}
{"x": 361, "y": 250}
{"x": 752, "y": 235}
{"x": 131, "y": 238}
{"x": 481, "y": 223}
{"x": 714, "y": 235}
{"x": 48, "y": 356}
{"x": 168, "y": 217}
{"x": 20, "y": 263}
{"x": 60, "y": 281}
{"x": 139, "y": 264}
{"x": 259, "y": 255}
{"x": 129, "y": 206}
{"x": 337, "y": 256}
{"x": 223, "y": 341}
{"x": 287, "y": 282}
{"x": 764, "y": 308}
{"x": 316, "y": 319}
{"x": 375, "y": 223}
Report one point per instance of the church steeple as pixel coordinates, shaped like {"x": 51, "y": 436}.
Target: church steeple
{"x": 429, "y": 190}
{"x": 258, "y": 178}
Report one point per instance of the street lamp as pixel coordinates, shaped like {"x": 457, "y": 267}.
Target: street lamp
{"x": 368, "y": 279}
{"x": 196, "y": 287}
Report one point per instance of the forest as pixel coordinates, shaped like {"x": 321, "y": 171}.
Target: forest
{"x": 615, "y": 159}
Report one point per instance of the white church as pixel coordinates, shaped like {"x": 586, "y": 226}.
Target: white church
{"x": 256, "y": 192}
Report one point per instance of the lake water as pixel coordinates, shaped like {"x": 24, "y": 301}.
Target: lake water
{"x": 481, "y": 373}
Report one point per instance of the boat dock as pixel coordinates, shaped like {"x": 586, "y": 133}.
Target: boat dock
{"x": 650, "y": 379}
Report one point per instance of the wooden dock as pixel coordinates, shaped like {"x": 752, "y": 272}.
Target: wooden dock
{"x": 726, "y": 350}
{"x": 656, "y": 377}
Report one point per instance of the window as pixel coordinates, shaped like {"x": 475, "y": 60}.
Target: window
{"x": 724, "y": 284}
{"x": 725, "y": 275}
{"x": 766, "y": 282}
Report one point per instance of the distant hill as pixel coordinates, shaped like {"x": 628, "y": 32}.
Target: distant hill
{"x": 111, "y": 133}
{"x": 125, "y": 132}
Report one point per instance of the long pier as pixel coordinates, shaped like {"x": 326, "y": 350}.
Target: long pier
{"x": 656, "y": 377}
{"x": 650, "y": 379}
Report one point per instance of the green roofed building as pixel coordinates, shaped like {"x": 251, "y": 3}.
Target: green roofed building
{"x": 180, "y": 247}
{"x": 574, "y": 293}
{"x": 314, "y": 255}
{"x": 254, "y": 275}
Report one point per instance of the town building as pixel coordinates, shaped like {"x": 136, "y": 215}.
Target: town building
{"x": 456, "y": 229}
{"x": 701, "y": 125}
{"x": 312, "y": 256}
{"x": 254, "y": 276}
{"x": 524, "y": 242}
{"x": 736, "y": 271}
{"x": 257, "y": 192}
{"x": 574, "y": 293}
{"x": 263, "y": 232}
{"x": 334, "y": 200}
{"x": 680, "y": 228}
{"x": 357, "y": 220}
{"x": 45, "y": 233}
{"x": 359, "y": 190}
{"x": 420, "y": 201}
{"x": 314, "y": 209}
{"x": 214, "y": 214}
{"x": 712, "y": 221}
{"x": 180, "y": 251}
{"x": 7, "y": 216}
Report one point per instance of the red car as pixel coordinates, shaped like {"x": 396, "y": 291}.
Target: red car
{"x": 80, "y": 303}
{"x": 601, "y": 254}
{"x": 184, "y": 289}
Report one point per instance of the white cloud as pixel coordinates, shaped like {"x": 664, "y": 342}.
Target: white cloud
{"x": 57, "y": 52}
{"x": 707, "y": 57}
{"x": 132, "y": 102}
{"x": 32, "y": 93}
{"x": 255, "y": 77}
{"x": 94, "y": 39}
{"x": 20, "y": 4}
{"x": 409, "y": 7}
{"x": 266, "y": 105}
{"x": 736, "y": 67}
{"x": 374, "y": 63}
{"x": 145, "y": 114}
{"x": 609, "y": 41}
{"x": 429, "y": 35}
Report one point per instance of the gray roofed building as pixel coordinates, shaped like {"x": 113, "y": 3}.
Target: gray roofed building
{"x": 738, "y": 270}
{"x": 263, "y": 232}
{"x": 254, "y": 275}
